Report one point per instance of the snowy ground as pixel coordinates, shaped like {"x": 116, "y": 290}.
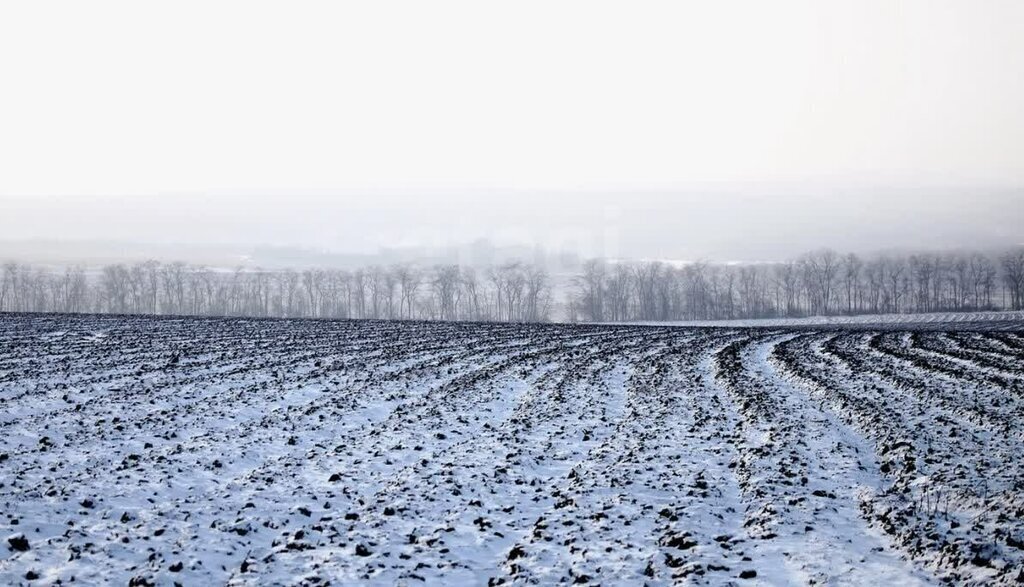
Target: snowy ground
{"x": 159, "y": 451}
{"x": 938, "y": 320}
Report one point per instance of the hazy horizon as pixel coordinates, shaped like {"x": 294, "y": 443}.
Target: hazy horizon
{"x": 718, "y": 225}
{"x": 732, "y": 131}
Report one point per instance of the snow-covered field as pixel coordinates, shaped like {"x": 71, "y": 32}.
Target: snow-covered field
{"x": 203, "y": 452}
{"x": 1002, "y": 320}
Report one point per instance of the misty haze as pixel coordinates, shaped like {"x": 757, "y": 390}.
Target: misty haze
{"x": 461, "y": 293}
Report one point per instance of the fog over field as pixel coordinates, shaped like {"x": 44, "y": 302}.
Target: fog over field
{"x": 736, "y": 131}
{"x": 713, "y": 222}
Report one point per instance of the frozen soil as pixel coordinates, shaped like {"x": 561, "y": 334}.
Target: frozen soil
{"x": 159, "y": 451}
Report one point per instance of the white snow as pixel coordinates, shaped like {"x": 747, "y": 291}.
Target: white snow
{"x": 990, "y": 320}
{"x": 306, "y": 452}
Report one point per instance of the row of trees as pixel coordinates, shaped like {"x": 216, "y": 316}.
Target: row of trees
{"x": 820, "y": 283}
{"x": 510, "y": 292}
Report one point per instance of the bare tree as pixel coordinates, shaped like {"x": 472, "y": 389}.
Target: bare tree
{"x": 114, "y": 282}
{"x": 538, "y": 295}
{"x": 7, "y": 285}
{"x": 850, "y": 275}
{"x": 821, "y": 268}
{"x": 445, "y": 289}
{"x": 1013, "y": 275}
{"x": 409, "y": 282}
{"x": 475, "y": 303}
{"x": 591, "y": 290}
{"x": 618, "y": 291}
{"x": 312, "y": 280}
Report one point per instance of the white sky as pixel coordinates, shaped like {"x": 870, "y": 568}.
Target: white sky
{"x": 344, "y": 100}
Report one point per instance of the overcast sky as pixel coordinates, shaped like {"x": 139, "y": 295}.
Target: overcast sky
{"x": 644, "y": 129}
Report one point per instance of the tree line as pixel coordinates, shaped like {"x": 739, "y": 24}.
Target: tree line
{"x": 818, "y": 283}
{"x": 512, "y": 292}
{"x": 822, "y": 282}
